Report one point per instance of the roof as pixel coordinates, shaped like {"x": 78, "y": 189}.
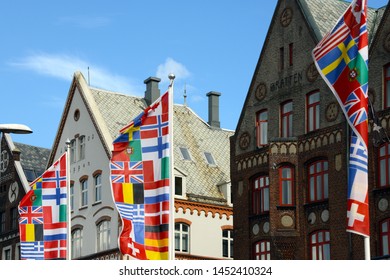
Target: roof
{"x": 190, "y": 131}
{"x": 33, "y": 160}
{"x": 323, "y": 15}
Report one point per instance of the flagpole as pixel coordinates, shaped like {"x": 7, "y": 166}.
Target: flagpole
{"x": 68, "y": 207}
{"x": 171, "y": 172}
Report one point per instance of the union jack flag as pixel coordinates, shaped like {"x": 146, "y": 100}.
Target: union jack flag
{"x": 127, "y": 172}
{"x": 31, "y": 215}
{"x": 341, "y": 58}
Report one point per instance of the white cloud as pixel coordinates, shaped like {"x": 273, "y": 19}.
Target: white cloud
{"x": 172, "y": 66}
{"x": 63, "y": 67}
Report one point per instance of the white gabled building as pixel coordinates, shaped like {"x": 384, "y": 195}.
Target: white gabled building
{"x": 91, "y": 120}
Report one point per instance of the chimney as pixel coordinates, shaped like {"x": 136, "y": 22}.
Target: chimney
{"x": 214, "y": 109}
{"x": 152, "y": 91}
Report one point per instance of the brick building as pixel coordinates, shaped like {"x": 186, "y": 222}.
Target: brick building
{"x": 289, "y": 151}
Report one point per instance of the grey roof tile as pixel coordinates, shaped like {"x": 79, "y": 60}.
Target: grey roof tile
{"x": 33, "y": 158}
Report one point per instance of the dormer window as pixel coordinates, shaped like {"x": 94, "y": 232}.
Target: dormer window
{"x": 209, "y": 158}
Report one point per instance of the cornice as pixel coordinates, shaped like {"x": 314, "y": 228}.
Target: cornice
{"x": 207, "y": 208}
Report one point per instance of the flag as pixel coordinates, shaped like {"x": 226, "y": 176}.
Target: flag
{"x": 140, "y": 181}
{"x": 341, "y": 58}
{"x": 43, "y": 215}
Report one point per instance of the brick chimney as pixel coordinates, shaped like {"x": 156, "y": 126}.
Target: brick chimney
{"x": 152, "y": 91}
{"x": 214, "y": 109}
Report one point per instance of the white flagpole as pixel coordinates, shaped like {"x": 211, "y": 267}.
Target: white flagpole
{"x": 68, "y": 214}
{"x": 171, "y": 173}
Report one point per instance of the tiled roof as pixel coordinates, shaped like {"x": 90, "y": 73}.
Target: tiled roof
{"x": 33, "y": 158}
{"x": 190, "y": 131}
{"x": 323, "y": 15}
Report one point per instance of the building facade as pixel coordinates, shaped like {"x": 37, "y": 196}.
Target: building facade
{"x": 92, "y": 119}
{"x": 289, "y": 151}
{"x": 20, "y": 164}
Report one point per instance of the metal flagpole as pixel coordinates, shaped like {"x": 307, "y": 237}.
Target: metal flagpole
{"x": 171, "y": 172}
{"x": 68, "y": 207}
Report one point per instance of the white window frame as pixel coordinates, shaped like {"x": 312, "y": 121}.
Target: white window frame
{"x": 97, "y": 187}
{"x": 103, "y": 235}
{"x": 84, "y": 193}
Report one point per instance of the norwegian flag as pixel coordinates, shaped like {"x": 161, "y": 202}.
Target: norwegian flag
{"x": 341, "y": 58}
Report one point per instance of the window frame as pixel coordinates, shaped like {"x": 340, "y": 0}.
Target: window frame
{"x": 227, "y": 243}
{"x": 77, "y": 242}
{"x": 260, "y": 195}
{"x": 318, "y": 246}
{"x": 97, "y": 187}
{"x": 313, "y": 119}
{"x": 84, "y": 193}
{"x": 182, "y": 237}
{"x": 318, "y": 174}
{"x": 384, "y": 170}
{"x": 103, "y": 235}
{"x": 384, "y": 235}
{"x": 261, "y": 250}
{"x": 82, "y": 145}
{"x": 282, "y": 180}
{"x": 288, "y": 118}
{"x": 262, "y": 128}
{"x": 386, "y": 86}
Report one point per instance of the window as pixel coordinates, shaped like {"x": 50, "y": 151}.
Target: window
{"x": 7, "y": 253}
{"x": 260, "y": 195}
{"x": 185, "y": 153}
{"x": 30, "y": 175}
{"x": 318, "y": 181}
{"x": 385, "y": 237}
{"x": 77, "y": 238}
{"x": 290, "y": 52}
{"x": 313, "y": 111}
{"x": 286, "y": 186}
{"x": 286, "y": 119}
{"x": 384, "y": 165}
{"x": 98, "y": 187}
{"x": 179, "y": 186}
{"x": 262, "y": 250}
{"x": 71, "y": 196}
{"x": 84, "y": 192}
{"x": 320, "y": 245}
{"x": 14, "y": 218}
{"x": 209, "y": 158}
{"x": 103, "y": 235}
{"x": 182, "y": 237}
{"x": 262, "y": 128}
{"x": 82, "y": 147}
{"x": 281, "y": 58}
{"x": 227, "y": 243}
{"x": 386, "y": 80}
{"x": 2, "y": 222}
{"x": 73, "y": 151}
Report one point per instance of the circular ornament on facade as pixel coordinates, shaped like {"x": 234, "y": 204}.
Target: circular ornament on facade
{"x": 4, "y": 160}
{"x": 13, "y": 192}
{"x": 287, "y": 221}
{"x": 383, "y": 204}
{"x": 332, "y": 111}
{"x": 286, "y": 17}
{"x": 76, "y": 115}
{"x": 311, "y": 219}
{"x": 312, "y": 73}
{"x": 386, "y": 42}
{"x": 261, "y": 91}
{"x": 255, "y": 229}
{"x": 325, "y": 216}
{"x": 244, "y": 140}
{"x": 266, "y": 227}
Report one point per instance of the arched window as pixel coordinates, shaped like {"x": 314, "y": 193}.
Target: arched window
{"x": 286, "y": 119}
{"x": 320, "y": 245}
{"x": 313, "y": 111}
{"x": 182, "y": 237}
{"x": 386, "y": 79}
{"x": 97, "y": 178}
{"x": 103, "y": 235}
{"x": 262, "y": 250}
{"x": 260, "y": 195}
{"x": 77, "y": 242}
{"x": 286, "y": 185}
{"x": 318, "y": 181}
{"x": 227, "y": 243}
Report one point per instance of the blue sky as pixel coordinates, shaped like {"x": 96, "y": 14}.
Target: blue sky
{"x": 209, "y": 45}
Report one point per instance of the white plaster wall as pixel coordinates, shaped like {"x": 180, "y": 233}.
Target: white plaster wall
{"x": 95, "y": 159}
{"x": 205, "y": 232}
